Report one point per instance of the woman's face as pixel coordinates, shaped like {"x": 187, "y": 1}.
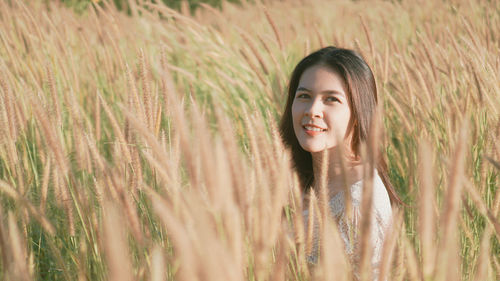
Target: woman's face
{"x": 320, "y": 110}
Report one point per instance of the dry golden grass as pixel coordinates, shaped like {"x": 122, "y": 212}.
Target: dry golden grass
{"x": 145, "y": 147}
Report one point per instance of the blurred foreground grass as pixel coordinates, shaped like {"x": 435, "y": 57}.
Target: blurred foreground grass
{"x": 144, "y": 147}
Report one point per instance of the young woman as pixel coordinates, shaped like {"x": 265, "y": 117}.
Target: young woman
{"x": 332, "y": 98}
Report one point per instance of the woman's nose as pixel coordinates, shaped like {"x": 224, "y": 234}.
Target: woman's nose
{"x": 314, "y": 110}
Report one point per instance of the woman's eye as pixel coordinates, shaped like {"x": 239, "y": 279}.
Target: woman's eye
{"x": 332, "y": 99}
{"x": 302, "y": 96}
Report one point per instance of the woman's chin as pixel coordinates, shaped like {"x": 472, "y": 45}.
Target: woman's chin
{"x": 313, "y": 148}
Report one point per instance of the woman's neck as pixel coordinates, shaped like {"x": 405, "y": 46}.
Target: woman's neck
{"x": 341, "y": 171}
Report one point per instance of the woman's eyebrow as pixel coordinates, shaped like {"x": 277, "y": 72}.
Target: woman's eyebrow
{"x": 332, "y": 92}
{"x": 303, "y": 89}
{"x": 326, "y": 92}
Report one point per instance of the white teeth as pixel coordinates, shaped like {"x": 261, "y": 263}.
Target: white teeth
{"x": 314, "y": 129}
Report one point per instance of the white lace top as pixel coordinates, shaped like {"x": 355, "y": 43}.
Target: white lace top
{"x": 381, "y": 218}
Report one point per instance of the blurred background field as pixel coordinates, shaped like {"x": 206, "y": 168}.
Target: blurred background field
{"x": 138, "y": 140}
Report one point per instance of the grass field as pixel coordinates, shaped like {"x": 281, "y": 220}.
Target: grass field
{"x": 145, "y": 147}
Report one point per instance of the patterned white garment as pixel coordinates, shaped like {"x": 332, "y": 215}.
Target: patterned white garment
{"x": 380, "y": 220}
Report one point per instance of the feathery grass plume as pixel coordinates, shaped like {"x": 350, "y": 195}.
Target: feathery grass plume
{"x": 342, "y": 159}
{"x": 160, "y": 169}
{"x": 99, "y": 162}
{"x": 401, "y": 113}
{"x": 333, "y": 260}
{"x": 51, "y": 139}
{"x": 10, "y": 122}
{"x": 497, "y": 267}
{"x": 136, "y": 169}
{"x": 273, "y": 58}
{"x": 496, "y": 201}
{"x": 157, "y": 122}
{"x": 226, "y": 132}
{"x": 157, "y": 264}
{"x": 4, "y": 243}
{"x": 17, "y": 268}
{"x": 362, "y": 236}
{"x": 56, "y": 183}
{"x": 370, "y": 152}
{"x": 107, "y": 65}
{"x": 217, "y": 14}
{"x": 389, "y": 247}
{"x": 427, "y": 50}
{"x": 411, "y": 260}
{"x": 166, "y": 83}
{"x": 408, "y": 82}
{"x": 54, "y": 95}
{"x": 12, "y": 158}
{"x": 168, "y": 12}
{"x": 129, "y": 209}
{"x": 185, "y": 10}
{"x": 254, "y": 50}
{"x": 180, "y": 126}
{"x": 470, "y": 32}
{"x": 133, "y": 96}
{"x": 274, "y": 166}
{"x": 116, "y": 128}
{"x": 282, "y": 252}
{"x": 150, "y": 139}
{"x": 9, "y": 105}
{"x": 423, "y": 84}
{"x": 257, "y": 72}
{"x": 81, "y": 264}
{"x": 475, "y": 197}
{"x": 311, "y": 221}
{"x": 321, "y": 40}
{"x": 204, "y": 151}
{"x": 33, "y": 211}
{"x": 273, "y": 26}
{"x": 97, "y": 116}
{"x": 370, "y": 42}
{"x": 193, "y": 246}
{"x": 177, "y": 234}
{"x": 45, "y": 184}
{"x": 77, "y": 127}
{"x": 268, "y": 202}
{"x": 477, "y": 83}
{"x": 400, "y": 271}
{"x": 427, "y": 205}
{"x": 322, "y": 186}
{"x": 448, "y": 246}
{"x": 298, "y": 225}
{"x": 114, "y": 244}
{"x": 65, "y": 198}
{"x": 279, "y": 151}
{"x": 483, "y": 264}
{"x": 231, "y": 212}
{"x": 280, "y": 195}
{"x": 386, "y": 64}
{"x": 146, "y": 89}
{"x": 462, "y": 221}
{"x": 254, "y": 148}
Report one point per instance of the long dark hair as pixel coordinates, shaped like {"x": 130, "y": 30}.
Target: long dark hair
{"x": 362, "y": 100}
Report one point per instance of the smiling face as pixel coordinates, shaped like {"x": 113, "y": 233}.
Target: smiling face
{"x": 320, "y": 109}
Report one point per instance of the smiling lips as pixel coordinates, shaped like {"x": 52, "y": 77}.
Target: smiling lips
{"x": 313, "y": 130}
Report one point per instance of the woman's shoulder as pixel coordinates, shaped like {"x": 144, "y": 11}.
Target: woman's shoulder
{"x": 380, "y": 197}
{"x": 381, "y": 201}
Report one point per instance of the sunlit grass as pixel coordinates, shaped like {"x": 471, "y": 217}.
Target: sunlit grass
{"x": 162, "y": 127}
